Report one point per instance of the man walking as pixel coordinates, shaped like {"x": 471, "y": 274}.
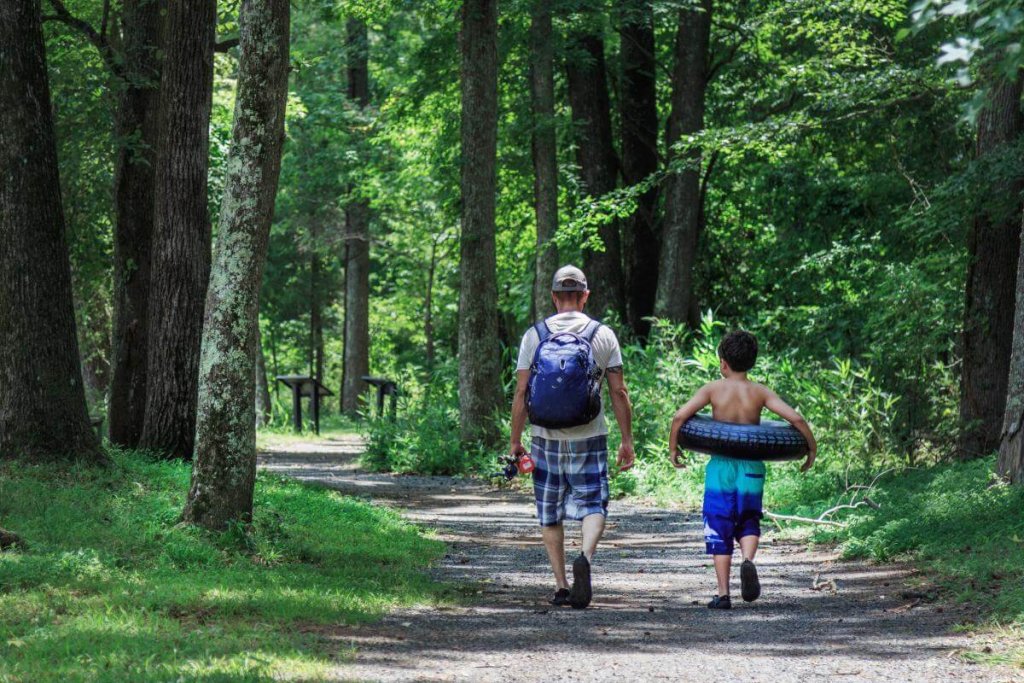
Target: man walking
{"x": 562, "y": 362}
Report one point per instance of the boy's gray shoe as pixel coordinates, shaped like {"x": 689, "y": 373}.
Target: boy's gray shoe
{"x": 750, "y": 587}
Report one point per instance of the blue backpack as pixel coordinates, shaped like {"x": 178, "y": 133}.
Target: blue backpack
{"x": 565, "y": 387}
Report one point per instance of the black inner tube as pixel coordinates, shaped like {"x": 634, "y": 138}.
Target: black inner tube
{"x": 770, "y": 440}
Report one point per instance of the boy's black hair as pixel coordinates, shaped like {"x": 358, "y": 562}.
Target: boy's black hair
{"x": 739, "y": 350}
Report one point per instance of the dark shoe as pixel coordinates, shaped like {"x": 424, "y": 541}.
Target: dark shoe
{"x": 720, "y": 602}
{"x": 750, "y": 587}
{"x": 581, "y": 593}
{"x": 561, "y": 598}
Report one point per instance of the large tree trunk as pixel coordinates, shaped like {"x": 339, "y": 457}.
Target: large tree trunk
{"x": 136, "y": 127}
{"x": 181, "y": 230}
{"x": 263, "y": 406}
{"x": 1011, "y": 445}
{"x": 545, "y": 159}
{"x": 681, "y": 231}
{"x": 42, "y": 401}
{"x": 224, "y": 474}
{"x": 993, "y": 245}
{"x": 479, "y": 364}
{"x": 357, "y": 243}
{"x": 638, "y": 118}
{"x": 595, "y": 153}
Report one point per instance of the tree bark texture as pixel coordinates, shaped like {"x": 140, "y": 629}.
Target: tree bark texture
{"x": 681, "y": 230}
{"x": 181, "y": 230}
{"x": 136, "y": 128}
{"x": 595, "y": 154}
{"x": 357, "y": 244}
{"x": 545, "y": 159}
{"x": 479, "y": 364}
{"x": 638, "y": 120}
{"x": 993, "y": 246}
{"x": 1011, "y": 444}
{"x": 224, "y": 473}
{"x": 43, "y": 413}
{"x": 263, "y": 406}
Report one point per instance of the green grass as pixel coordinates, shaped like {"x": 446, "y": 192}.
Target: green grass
{"x": 280, "y": 430}
{"x": 113, "y": 588}
{"x": 963, "y": 526}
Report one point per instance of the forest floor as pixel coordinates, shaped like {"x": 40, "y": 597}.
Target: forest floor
{"x": 818, "y": 618}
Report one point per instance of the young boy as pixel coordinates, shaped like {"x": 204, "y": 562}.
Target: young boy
{"x": 733, "y": 488}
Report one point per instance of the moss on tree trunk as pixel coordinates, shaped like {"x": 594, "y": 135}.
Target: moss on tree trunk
{"x": 224, "y": 474}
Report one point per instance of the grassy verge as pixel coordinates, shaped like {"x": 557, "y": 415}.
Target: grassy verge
{"x": 112, "y": 588}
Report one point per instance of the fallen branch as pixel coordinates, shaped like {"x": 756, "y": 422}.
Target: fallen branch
{"x": 805, "y": 520}
{"x": 9, "y": 539}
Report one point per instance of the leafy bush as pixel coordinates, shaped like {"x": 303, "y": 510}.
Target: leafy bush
{"x": 852, "y": 416}
{"x": 423, "y": 437}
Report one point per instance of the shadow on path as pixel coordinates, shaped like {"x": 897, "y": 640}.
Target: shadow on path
{"x": 648, "y": 620}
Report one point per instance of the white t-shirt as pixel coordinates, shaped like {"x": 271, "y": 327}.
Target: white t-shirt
{"x": 607, "y": 354}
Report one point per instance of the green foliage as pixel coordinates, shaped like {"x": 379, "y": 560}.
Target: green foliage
{"x": 113, "y": 588}
{"x": 424, "y": 437}
{"x": 964, "y": 527}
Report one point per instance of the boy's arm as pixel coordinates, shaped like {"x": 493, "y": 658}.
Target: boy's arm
{"x": 623, "y": 415}
{"x": 689, "y": 409}
{"x": 775, "y": 404}
{"x": 519, "y": 412}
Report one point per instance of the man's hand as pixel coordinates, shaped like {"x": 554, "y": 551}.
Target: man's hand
{"x": 626, "y": 456}
{"x": 809, "y": 462}
{"x": 674, "y": 458}
{"x": 517, "y": 449}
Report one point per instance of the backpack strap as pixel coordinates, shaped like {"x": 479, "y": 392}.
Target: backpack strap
{"x": 590, "y": 330}
{"x": 543, "y": 331}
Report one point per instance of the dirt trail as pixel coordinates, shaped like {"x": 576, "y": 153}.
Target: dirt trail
{"x": 648, "y": 620}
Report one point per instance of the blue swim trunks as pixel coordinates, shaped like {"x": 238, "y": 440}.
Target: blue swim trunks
{"x": 570, "y": 478}
{"x": 732, "y": 502}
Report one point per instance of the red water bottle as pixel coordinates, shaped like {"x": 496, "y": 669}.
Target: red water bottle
{"x": 525, "y": 464}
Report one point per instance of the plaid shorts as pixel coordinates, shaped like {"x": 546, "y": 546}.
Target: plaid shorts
{"x": 570, "y": 478}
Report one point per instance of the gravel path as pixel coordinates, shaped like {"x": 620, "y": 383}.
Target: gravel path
{"x": 648, "y": 620}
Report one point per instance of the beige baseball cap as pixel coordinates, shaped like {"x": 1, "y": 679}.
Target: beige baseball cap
{"x": 569, "y": 279}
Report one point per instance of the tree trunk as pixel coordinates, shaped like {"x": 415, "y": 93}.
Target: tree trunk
{"x": 1011, "y": 445}
{"x": 181, "y": 230}
{"x": 479, "y": 364}
{"x": 316, "y": 320}
{"x": 428, "y": 307}
{"x": 638, "y": 119}
{"x": 357, "y": 244}
{"x": 595, "y": 153}
{"x": 993, "y": 246}
{"x": 42, "y": 401}
{"x": 263, "y": 406}
{"x": 681, "y": 231}
{"x": 136, "y": 126}
{"x": 224, "y": 474}
{"x": 545, "y": 159}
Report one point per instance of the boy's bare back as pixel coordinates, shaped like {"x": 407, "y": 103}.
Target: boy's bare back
{"x": 737, "y": 400}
